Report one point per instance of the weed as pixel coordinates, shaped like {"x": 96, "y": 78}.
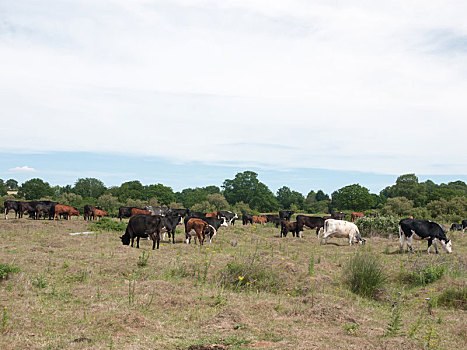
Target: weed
{"x": 4, "y": 318}
{"x": 131, "y": 289}
{"x": 351, "y": 329}
{"x": 395, "y": 323}
{"x": 39, "y": 282}
{"x": 364, "y": 274}
{"x": 431, "y": 337}
{"x": 454, "y": 297}
{"x": 143, "y": 258}
{"x": 423, "y": 275}
{"x": 6, "y": 269}
{"x": 414, "y": 327}
{"x": 311, "y": 265}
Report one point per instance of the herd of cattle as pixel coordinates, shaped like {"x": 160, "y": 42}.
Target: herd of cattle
{"x": 153, "y": 221}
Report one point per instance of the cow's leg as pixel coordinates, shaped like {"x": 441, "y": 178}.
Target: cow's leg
{"x": 173, "y": 236}
{"x": 6, "y": 214}
{"x": 401, "y": 241}
{"x": 409, "y": 243}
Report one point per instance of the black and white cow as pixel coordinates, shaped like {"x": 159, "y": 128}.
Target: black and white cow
{"x": 228, "y": 215}
{"x": 423, "y": 229}
{"x": 12, "y": 205}
{"x": 169, "y": 225}
{"x": 309, "y": 221}
{"x": 464, "y": 225}
{"x": 456, "y": 227}
{"x": 285, "y": 214}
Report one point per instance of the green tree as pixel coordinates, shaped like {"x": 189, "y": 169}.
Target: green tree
{"x": 130, "y": 189}
{"x": 321, "y": 196}
{"x": 35, "y": 189}
{"x": 286, "y": 198}
{"x": 164, "y": 194}
{"x": 109, "y": 203}
{"x": 12, "y": 184}
{"x": 247, "y": 188}
{"x": 3, "y": 189}
{"x": 218, "y": 201}
{"x": 73, "y": 199}
{"x": 192, "y": 196}
{"x": 398, "y": 206}
{"x": 408, "y": 186}
{"x": 89, "y": 187}
{"x": 352, "y": 197}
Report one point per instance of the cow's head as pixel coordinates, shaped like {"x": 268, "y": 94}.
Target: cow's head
{"x": 447, "y": 245}
{"x": 125, "y": 239}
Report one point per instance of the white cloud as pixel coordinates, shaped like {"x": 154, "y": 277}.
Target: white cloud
{"x": 24, "y": 168}
{"x": 355, "y": 85}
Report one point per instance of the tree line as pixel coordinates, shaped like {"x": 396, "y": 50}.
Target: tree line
{"x": 245, "y": 193}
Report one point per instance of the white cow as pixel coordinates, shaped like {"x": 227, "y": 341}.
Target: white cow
{"x": 341, "y": 229}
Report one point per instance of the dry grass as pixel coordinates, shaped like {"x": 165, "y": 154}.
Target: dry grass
{"x": 86, "y": 300}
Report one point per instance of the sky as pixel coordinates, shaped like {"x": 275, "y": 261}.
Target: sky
{"x": 308, "y": 94}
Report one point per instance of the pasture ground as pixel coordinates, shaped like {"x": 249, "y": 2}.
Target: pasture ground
{"x": 88, "y": 292}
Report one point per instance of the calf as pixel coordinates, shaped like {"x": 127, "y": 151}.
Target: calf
{"x": 354, "y": 216}
{"x": 65, "y": 210}
{"x": 214, "y": 224}
{"x": 12, "y": 205}
{"x": 341, "y": 229}
{"x": 142, "y": 225}
{"x": 285, "y": 214}
{"x": 247, "y": 218}
{"x": 197, "y": 228}
{"x": 100, "y": 213}
{"x": 311, "y": 222}
{"x": 135, "y": 211}
{"x": 274, "y": 218}
{"x": 287, "y": 227}
{"x": 423, "y": 229}
{"x": 259, "y": 220}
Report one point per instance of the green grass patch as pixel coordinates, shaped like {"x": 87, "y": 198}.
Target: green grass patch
{"x": 6, "y": 269}
{"x": 108, "y": 225}
{"x": 455, "y": 297}
{"x": 423, "y": 275}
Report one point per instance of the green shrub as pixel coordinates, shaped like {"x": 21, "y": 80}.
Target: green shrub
{"x": 382, "y": 225}
{"x": 455, "y": 297}
{"x": 364, "y": 274}
{"x": 6, "y": 269}
{"x": 250, "y": 275}
{"x": 108, "y": 225}
{"x": 423, "y": 275}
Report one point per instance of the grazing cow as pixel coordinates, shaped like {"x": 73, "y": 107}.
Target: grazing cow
{"x": 99, "y": 213}
{"x": 274, "y": 218}
{"x": 162, "y": 211}
{"x": 310, "y": 222}
{"x": 423, "y": 229}
{"x": 136, "y": 211}
{"x": 197, "y": 228}
{"x": 228, "y": 215}
{"x": 169, "y": 225}
{"x": 214, "y": 224}
{"x": 212, "y": 215}
{"x": 338, "y": 216}
{"x": 247, "y": 218}
{"x": 29, "y": 207}
{"x": 464, "y": 225}
{"x": 259, "y": 220}
{"x": 12, "y": 205}
{"x": 456, "y": 227}
{"x": 287, "y": 227}
{"x": 65, "y": 210}
{"x": 353, "y": 216}
{"x": 180, "y": 212}
{"x": 285, "y": 214}
{"x": 88, "y": 212}
{"x": 341, "y": 229}
{"x": 142, "y": 225}
{"x": 44, "y": 207}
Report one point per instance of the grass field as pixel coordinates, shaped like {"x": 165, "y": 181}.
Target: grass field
{"x": 248, "y": 289}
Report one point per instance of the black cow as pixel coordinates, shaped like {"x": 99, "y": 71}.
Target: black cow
{"x": 309, "y": 221}
{"x": 285, "y": 214}
{"x": 140, "y": 226}
{"x": 88, "y": 212}
{"x": 464, "y": 224}
{"x": 29, "y": 207}
{"x": 46, "y": 208}
{"x": 247, "y": 218}
{"x": 197, "y": 214}
{"x": 228, "y": 215}
{"x": 338, "y": 216}
{"x": 169, "y": 225}
{"x": 124, "y": 212}
{"x": 274, "y": 218}
{"x": 456, "y": 227}
{"x": 180, "y": 212}
{"x": 423, "y": 229}
{"x": 12, "y": 205}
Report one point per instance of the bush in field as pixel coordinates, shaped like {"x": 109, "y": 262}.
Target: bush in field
{"x": 364, "y": 274}
{"x": 6, "y": 269}
{"x": 455, "y": 297}
{"x": 423, "y": 275}
{"x": 250, "y": 274}
{"x": 107, "y": 224}
{"x": 382, "y": 226}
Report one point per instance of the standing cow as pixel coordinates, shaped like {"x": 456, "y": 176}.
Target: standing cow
{"x": 142, "y": 225}
{"x": 341, "y": 229}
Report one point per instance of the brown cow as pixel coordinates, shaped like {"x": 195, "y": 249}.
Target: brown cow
{"x": 65, "y": 210}
{"x": 287, "y": 227}
{"x": 212, "y": 215}
{"x": 135, "y": 211}
{"x": 354, "y": 216}
{"x": 99, "y": 213}
{"x": 197, "y": 228}
{"x": 259, "y": 220}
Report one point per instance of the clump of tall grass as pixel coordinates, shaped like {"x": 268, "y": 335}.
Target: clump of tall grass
{"x": 250, "y": 274}
{"x": 108, "y": 225}
{"x": 423, "y": 275}
{"x": 364, "y": 274}
{"x": 454, "y": 297}
{"x": 6, "y": 269}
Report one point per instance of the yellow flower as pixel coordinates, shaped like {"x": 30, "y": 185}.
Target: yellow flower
{"x": 178, "y": 254}
{"x": 283, "y": 258}
{"x": 241, "y": 277}
{"x": 5, "y": 308}
{"x": 312, "y": 278}
{"x": 213, "y": 251}
{"x": 207, "y": 248}
{"x": 288, "y": 294}
{"x": 129, "y": 274}
{"x": 337, "y": 288}
{"x": 207, "y": 260}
